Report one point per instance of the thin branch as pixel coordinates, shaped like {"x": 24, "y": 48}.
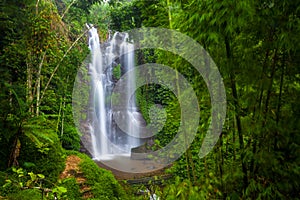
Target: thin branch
{"x": 38, "y": 188}
{"x": 67, "y": 9}
{"x": 31, "y": 94}
{"x": 39, "y": 72}
{"x": 38, "y": 85}
{"x": 37, "y": 6}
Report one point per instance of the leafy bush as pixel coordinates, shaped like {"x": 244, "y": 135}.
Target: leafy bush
{"x": 70, "y": 139}
{"x": 4, "y": 191}
{"x": 19, "y": 180}
{"x": 184, "y": 189}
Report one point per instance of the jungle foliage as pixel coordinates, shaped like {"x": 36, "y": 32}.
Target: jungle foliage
{"x": 256, "y": 48}
{"x": 43, "y": 43}
{"x": 255, "y": 45}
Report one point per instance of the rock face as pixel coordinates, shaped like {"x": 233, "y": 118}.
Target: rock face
{"x": 85, "y": 140}
{"x": 137, "y": 152}
{"x": 84, "y": 150}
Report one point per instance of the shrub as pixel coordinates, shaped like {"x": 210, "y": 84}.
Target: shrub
{"x": 4, "y": 191}
{"x": 70, "y": 139}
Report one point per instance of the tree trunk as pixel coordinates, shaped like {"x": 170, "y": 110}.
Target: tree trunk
{"x": 38, "y": 85}
{"x": 279, "y": 101}
{"x": 29, "y": 87}
{"x": 16, "y": 148}
{"x": 63, "y": 117}
{"x": 237, "y": 111}
{"x": 258, "y": 110}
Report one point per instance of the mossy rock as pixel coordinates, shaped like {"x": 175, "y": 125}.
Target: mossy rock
{"x": 50, "y": 163}
{"x": 139, "y": 153}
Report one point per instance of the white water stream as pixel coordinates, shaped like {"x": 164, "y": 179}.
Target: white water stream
{"x": 107, "y": 138}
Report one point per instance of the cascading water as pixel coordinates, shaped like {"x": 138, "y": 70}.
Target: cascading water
{"x": 107, "y": 138}
{"x": 130, "y": 81}
{"x": 98, "y": 79}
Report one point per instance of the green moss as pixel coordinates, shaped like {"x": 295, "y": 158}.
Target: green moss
{"x": 30, "y": 194}
{"x": 50, "y": 163}
{"x": 102, "y": 182}
{"x": 73, "y": 189}
{"x": 117, "y": 72}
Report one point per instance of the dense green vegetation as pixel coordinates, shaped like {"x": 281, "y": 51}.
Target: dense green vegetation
{"x": 255, "y": 45}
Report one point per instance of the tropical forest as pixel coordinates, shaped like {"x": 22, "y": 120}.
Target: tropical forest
{"x": 149, "y": 99}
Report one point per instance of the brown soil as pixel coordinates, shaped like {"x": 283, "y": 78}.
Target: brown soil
{"x": 71, "y": 167}
{"x": 72, "y": 170}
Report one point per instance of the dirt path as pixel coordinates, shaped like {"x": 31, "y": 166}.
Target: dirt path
{"x": 72, "y": 171}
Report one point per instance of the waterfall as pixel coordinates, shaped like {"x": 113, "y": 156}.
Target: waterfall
{"x": 130, "y": 82}
{"x": 107, "y": 138}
